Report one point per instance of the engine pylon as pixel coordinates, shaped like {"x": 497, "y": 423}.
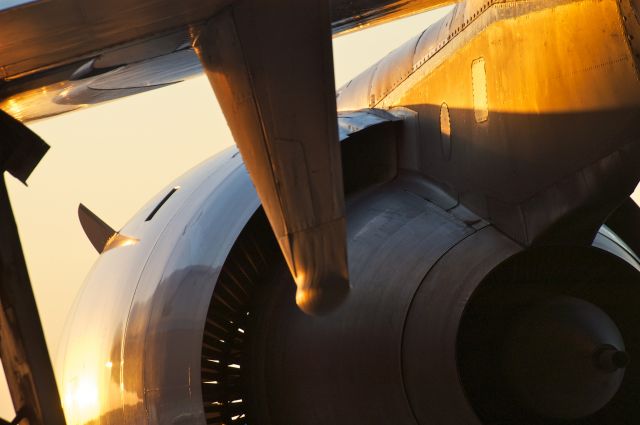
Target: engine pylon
{"x": 276, "y": 89}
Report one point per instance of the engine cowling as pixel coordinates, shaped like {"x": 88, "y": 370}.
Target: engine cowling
{"x": 197, "y": 323}
{"x": 445, "y": 324}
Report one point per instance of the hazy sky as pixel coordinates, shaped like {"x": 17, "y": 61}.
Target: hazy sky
{"x": 116, "y": 156}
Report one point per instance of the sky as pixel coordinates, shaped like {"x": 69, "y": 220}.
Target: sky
{"x": 115, "y": 156}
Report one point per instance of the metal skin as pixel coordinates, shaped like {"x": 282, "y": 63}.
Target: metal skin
{"x": 518, "y": 142}
{"x": 42, "y": 34}
{"x": 131, "y": 350}
{"x": 558, "y": 145}
{"x": 285, "y": 128}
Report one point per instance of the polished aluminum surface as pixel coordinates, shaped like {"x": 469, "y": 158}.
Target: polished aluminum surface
{"x": 131, "y": 350}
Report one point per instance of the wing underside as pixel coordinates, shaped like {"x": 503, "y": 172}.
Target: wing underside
{"x": 61, "y": 55}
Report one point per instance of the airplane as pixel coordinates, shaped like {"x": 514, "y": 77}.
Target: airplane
{"x": 447, "y": 239}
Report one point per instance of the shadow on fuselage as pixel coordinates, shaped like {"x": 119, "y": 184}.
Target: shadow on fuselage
{"x": 539, "y": 177}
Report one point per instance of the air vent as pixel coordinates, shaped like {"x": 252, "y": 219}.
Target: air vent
{"x": 161, "y": 203}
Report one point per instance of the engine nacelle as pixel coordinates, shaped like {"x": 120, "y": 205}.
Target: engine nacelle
{"x": 132, "y": 346}
{"x": 445, "y": 322}
{"x": 196, "y": 323}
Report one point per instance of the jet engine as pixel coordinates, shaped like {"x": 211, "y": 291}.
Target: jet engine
{"x": 448, "y": 320}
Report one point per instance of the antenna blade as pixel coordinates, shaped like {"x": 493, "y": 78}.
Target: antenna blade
{"x": 98, "y": 232}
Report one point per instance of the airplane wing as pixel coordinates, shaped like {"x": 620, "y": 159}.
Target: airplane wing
{"x": 61, "y": 55}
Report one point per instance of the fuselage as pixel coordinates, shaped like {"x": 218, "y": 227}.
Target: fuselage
{"x": 517, "y": 104}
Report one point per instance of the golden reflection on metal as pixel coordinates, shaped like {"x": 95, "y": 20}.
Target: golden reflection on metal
{"x": 81, "y": 400}
{"x": 301, "y": 295}
{"x": 37, "y": 103}
{"x": 445, "y": 131}
{"x": 426, "y": 81}
{"x": 480, "y": 101}
{"x": 118, "y": 240}
{"x": 89, "y": 389}
{"x": 14, "y": 107}
{"x": 595, "y": 67}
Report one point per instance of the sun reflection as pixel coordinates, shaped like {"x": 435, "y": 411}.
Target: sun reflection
{"x": 81, "y": 399}
{"x": 119, "y": 240}
{"x": 14, "y": 107}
